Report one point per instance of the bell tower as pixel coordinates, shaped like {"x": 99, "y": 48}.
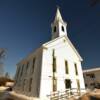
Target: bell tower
{"x": 58, "y": 26}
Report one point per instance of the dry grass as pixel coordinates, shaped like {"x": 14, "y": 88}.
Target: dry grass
{"x": 3, "y": 81}
{"x": 94, "y": 95}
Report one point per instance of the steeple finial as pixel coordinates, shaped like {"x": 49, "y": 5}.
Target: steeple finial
{"x": 58, "y": 16}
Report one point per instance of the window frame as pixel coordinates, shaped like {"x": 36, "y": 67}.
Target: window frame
{"x": 66, "y": 67}
{"x": 54, "y": 84}
{"x": 76, "y": 69}
{"x": 54, "y": 29}
{"x": 30, "y": 84}
{"x": 54, "y": 65}
{"x": 33, "y": 64}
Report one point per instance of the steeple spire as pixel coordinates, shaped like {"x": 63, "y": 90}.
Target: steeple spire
{"x": 58, "y": 26}
{"x": 58, "y": 16}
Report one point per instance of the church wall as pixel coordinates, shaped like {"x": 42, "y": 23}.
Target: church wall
{"x": 46, "y": 76}
{"x": 36, "y": 76}
{"x": 19, "y": 78}
{"x": 66, "y": 53}
{"x": 62, "y": 52}
{"x": 62, "y": 33}
{"x": 81, "y": 78}
{"x": 28, "y": 82}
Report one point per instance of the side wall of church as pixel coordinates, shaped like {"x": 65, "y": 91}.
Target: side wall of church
{"x": 28, "y": 75}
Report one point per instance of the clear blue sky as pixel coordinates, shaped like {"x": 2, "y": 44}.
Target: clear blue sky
{"x": 25, "y": 25}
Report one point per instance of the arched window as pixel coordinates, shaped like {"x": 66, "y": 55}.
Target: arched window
{"x": 54, "y": 29}
{"x": 62, "y": 28}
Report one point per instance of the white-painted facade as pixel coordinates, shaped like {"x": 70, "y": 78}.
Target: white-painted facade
{"x": 92, "y": 78}
{"x": 55, "y": 66}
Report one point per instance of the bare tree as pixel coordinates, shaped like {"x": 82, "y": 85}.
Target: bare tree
{"x": 2, "y": 57}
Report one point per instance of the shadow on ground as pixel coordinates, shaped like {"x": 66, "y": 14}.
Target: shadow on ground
{"x": 94, "y": 98}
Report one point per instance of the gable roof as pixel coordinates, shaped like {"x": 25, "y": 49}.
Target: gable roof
{"x": 67, "y": 39}
{"x": 47, "y": 43}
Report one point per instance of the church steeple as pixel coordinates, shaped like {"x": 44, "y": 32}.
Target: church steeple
{"x": 58, "y": 26}
{"x": 58, "y": 16}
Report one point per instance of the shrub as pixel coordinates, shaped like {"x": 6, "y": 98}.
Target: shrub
{"x": 3, "y": 81}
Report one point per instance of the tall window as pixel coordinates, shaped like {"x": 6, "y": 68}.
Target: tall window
{"x": 76, "y": 71}
{"x": 23, "y": 84}
{"x": 78, "y": 84}
{"x": 22, "y": 70}
{"x": 54, "y": 64}
{"x": 54, "y": 29}
{"x": 27, "y": 65}
{"x": 66, "y": 67}
{"x": 67, "y": 83}
{"x": 33, "y": 65}
{"x": 30, "y": 84}
{"x": 54, "y": 84}
{"x": 17, "y": 74}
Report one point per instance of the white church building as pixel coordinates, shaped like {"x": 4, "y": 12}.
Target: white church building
{"x": 55, "y": 66}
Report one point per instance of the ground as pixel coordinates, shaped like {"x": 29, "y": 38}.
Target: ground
{"x": 1, "y": 94}
{"x": 11, "y": 95}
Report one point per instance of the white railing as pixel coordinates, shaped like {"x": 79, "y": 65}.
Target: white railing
{"x": 59, "y": 95}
